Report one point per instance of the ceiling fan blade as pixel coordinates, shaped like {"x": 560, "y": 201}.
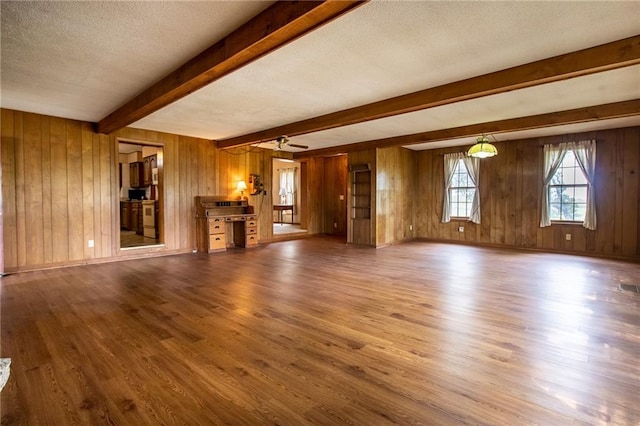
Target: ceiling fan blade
{"x": 293, "y": 145}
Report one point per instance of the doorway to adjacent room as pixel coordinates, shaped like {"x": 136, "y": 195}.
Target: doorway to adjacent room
{"x": 286, "y": 198}
{"x": 140, "y": 198}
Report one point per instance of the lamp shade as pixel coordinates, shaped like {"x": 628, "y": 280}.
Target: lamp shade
{"x": 282, "y": 192}
{"x": 242, "y": 185}
{"x": 482, "y": 148}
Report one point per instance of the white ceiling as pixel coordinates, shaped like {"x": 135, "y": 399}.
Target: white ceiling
{"x": 83, "y": 60}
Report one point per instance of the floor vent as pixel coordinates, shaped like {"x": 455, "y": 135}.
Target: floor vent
{"x": 629, "y": 287}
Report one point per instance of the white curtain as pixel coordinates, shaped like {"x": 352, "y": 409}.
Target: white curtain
{"x": 288, "y": 182}
{"x": 585, "y": 152}
{"x": 473, "y": 167}
{"x": 553, "y": 156}
{"x": 450, "y": 161}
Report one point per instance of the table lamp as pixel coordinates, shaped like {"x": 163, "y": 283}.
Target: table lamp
{"x": 242, "y": 186}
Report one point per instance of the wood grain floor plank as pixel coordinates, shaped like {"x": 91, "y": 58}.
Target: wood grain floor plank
{"x": 314, "y": 331}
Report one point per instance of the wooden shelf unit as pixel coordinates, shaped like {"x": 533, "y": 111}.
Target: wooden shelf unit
{"x": 361, "y": 202}
{"x": 361, "y": 195}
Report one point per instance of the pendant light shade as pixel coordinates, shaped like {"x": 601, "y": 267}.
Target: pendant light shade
{"x": 482, "y": 148}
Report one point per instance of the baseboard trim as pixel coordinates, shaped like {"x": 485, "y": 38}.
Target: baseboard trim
{"x": 127, "y": 255}
{"x": 529, "y": 249}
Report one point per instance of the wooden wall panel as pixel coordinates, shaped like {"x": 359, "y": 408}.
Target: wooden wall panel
{"x": 395, "y": 194}
{"x": 314, "y": 200}
{"x": 47, "y": 225}
{"x": 60, "y": 189}
{"x": 510, "y": 193}
{"x": 335, "y": 185}
{"x": 32, "y": 172}
{"x": 9, "y": 188}
{"x": 630, "y": 189}
{"x": 237, "y": 164}
{"x": 74, "y": 190}
{"x": 59, "y": 198}
{"x": 187, "y": 171}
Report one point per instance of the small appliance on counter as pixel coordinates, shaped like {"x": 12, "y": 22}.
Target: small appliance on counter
{"x": 137, "y": 194}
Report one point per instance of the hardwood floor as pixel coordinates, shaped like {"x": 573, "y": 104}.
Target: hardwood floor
{"x": 314, "y": 331}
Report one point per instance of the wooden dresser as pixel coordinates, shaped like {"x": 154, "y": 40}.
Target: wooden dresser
{"x": 222, "y": 223}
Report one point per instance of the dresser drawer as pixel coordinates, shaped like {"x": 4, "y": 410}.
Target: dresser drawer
{"x": 252, "y": 240}
{"x": 217, "y": 242}
{"x": 252, "y": 222}
{"x": 251, "y": 230}
{"x": 216, "y": 226}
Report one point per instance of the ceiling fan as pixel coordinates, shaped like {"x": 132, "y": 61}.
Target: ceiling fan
{"x": 283, "y": 141}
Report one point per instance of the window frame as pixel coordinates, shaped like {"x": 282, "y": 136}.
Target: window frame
{"x": 460, "y": 163}
{"x": 573, "y": 186}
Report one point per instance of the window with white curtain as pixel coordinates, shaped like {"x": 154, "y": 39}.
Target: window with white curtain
{"x": 461, "y": 192}
{"x": 288, "y": 183}
{"x": 461, "y": 195}
{"x": 567, "y": 191}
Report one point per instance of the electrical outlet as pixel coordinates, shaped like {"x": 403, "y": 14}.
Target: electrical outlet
{"x": 335, "y": 225}
{"x": 90, "y": 243}
{"x": 410, "y": 227}
{"x": 460, "y": 228}
{"x": 341, "y": 197}
{"x": 567, "y": 237}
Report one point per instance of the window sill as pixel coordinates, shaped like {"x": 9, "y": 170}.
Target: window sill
{"x": 566, "y": 222}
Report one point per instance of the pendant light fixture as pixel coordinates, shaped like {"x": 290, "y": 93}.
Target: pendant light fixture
{"x": 483, "y": 148}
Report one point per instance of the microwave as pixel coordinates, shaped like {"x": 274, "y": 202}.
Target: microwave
{"x": 154, "y": 176}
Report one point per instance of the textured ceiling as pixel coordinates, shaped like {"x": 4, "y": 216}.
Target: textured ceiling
{"x": 83, "y": 60}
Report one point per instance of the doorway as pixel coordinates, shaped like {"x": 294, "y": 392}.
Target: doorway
{"x": 140, "y": 167}
{"x": 286, "y": 198}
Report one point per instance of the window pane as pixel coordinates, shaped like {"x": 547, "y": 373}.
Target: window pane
{"x": 566, "y": 212}
{"x": 568, "y": 194}
{"x": 554, "y": 211}
{"x": 581, "y": 179}
{"x": 580, "y": 194}
{"x": 469, "y": 195}
{"x": 568, "y": 175}
{"x": 466, "y": 210}
{"x": 569, "y": 159}
{"x": 557, "y": 178}
{"x": 579, "y": 212}
{"x": 454, "y": 195}
{"x": 555, "y": 194}
{"x": 456, "y": 180}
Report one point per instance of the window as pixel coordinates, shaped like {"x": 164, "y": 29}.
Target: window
{"x": 568, "y": 185}
{"x": 568, "y": 191}
{"x": 461, "y": 192}
{"x": 288, "y": 183}
{"x": 461, "y": 198}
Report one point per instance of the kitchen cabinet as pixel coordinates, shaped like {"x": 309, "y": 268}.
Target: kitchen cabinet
{"x": 131, "y": 216}
{"x": 125, "y": 218}
{"x": 136, "y": 174}
{"x": 149, "y": 163}
{"x": 136, "y": 217}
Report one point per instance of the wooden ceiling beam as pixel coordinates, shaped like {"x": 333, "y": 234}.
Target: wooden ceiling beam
{"x": 609, "y": 56}
{"x": 573, "y": 116}
{"x": 279, "y": 24}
